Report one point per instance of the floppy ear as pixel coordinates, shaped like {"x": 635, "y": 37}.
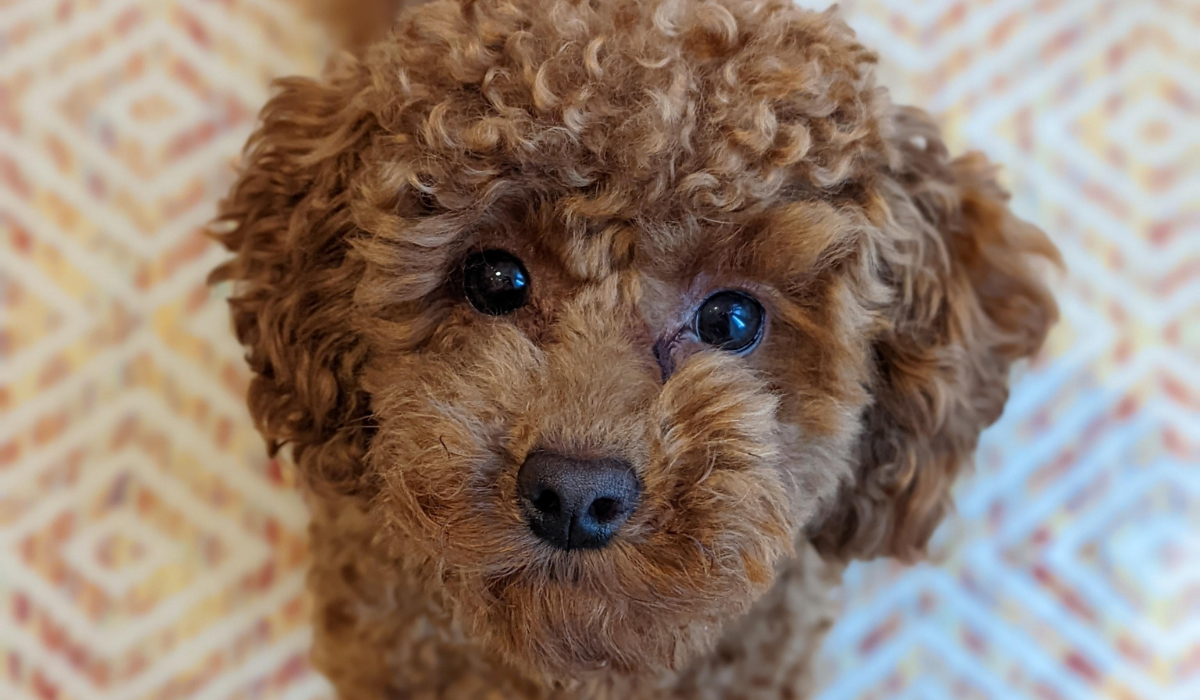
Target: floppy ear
{"x": 288, "y": 223}
{"x": 966, "y": 302}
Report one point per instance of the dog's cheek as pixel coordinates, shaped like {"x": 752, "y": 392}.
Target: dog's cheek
{"x": 818, "y": 358}
{"x": 715, "y": 520}
{"x": 440, "y": 453}
{"x": 714, "y": 414}
{"x": 726, "y": 478}
{"x": 423, "y": 459}
{"x": 567, "y": 626}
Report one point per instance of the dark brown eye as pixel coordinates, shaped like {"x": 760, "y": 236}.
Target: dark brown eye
{"x": 495, "y": 282}
{"x": 730, "y": 321}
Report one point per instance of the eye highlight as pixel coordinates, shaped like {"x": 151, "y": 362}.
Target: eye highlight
{"x": 730, "y": 321}
{"x": 495, "y": 282}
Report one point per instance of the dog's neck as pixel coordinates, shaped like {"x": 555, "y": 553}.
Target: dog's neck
{"x": 381, "y": 632}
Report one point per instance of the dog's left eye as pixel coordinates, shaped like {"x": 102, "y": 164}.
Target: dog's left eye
{"x": 495, "y": 282}
{"x": 730, "y": 321}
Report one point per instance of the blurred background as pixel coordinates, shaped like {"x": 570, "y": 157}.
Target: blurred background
{"x": 149, "y": 550}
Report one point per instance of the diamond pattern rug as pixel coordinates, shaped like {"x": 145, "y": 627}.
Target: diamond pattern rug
{"x": 149, "y": 549}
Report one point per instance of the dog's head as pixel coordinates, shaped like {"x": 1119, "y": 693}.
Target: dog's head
{"x": 600, "y": 307}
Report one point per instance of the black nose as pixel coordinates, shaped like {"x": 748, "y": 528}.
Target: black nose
{"x": 576, "y": 503}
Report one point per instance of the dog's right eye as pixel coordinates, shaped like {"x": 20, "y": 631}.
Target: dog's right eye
{"x": 495, "y": 282}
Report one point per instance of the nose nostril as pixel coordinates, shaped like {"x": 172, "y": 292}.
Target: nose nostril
{"x": 547, "y": 502}
{"x": 604, "y": 510}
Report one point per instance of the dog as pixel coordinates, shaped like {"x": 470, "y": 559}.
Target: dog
{"x": 604, "y": 333}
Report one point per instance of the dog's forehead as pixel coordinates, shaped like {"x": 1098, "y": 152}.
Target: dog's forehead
{"x": 775, "y": 245}
{"x": 642, "y": 129}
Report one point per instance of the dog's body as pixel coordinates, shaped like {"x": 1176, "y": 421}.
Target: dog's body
{"x": 604, "y": 333}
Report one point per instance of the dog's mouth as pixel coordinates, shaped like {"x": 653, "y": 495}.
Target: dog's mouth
{"x": 643, "y": 604}
{"x": 640, "y": 599}
{"x": 639, "y": 594}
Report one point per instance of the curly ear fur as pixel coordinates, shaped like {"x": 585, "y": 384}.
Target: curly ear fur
{"x": 288, "y": 222}
{"x": 967, "y": 301}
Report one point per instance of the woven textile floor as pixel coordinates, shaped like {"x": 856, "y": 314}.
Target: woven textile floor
{"x": 149, "y": 549}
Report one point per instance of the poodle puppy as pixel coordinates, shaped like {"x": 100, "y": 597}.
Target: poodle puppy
{"x": 604, "y": 332}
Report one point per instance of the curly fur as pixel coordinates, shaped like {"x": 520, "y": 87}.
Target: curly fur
{"x": 637, "y": 156}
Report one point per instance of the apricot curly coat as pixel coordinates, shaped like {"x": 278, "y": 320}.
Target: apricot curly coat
{"x": 637, "y": 156}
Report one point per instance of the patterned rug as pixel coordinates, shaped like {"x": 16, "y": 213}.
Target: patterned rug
{"x": 149, "y": 550}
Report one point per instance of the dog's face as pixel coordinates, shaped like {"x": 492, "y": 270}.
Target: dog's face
{"x": 609, "y": 449}
{"x": 600, "y": 310}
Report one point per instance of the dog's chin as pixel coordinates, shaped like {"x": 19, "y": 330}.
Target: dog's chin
{"x": 646, "y": 605}
{"x": 591, "y": 615}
